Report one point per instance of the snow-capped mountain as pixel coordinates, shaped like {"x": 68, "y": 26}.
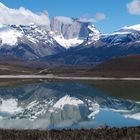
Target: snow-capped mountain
{"x": 123, "y": 42}
{"x": 134, "y": 27}
{"x": 66, "y": 41}
{"x": 27, "y": 42}
{"x": 127, "y": 35}
{"x": 33, "y": 42}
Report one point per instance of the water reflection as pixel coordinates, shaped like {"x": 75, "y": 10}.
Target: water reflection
{"x": 64, "y": 105}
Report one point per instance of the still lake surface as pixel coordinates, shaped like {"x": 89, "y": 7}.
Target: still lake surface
{"x": 44, "y": 104}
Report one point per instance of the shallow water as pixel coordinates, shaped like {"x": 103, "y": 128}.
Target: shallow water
{"x": 68, "y": 104}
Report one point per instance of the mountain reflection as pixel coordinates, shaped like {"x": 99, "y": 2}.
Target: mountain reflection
{"x": 55, "y": 104}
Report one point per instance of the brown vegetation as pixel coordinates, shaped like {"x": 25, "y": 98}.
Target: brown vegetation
{"x": 123, "y": 66}
{"x": 9, "y": 69}
{"x": 81, "y": 134}
{"x": 128, "y": 66}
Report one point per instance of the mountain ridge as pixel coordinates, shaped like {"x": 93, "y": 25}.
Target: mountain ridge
{"x": 67, "y": 41}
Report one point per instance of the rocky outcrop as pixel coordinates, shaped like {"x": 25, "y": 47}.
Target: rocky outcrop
{"x": 71, "y": 28}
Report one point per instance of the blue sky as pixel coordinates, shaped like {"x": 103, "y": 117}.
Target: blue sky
{"x": 115, "y": 11}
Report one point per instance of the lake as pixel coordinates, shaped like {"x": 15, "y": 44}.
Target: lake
{"x": 53, "y": 104}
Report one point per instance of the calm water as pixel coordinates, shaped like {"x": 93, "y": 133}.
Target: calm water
{"x": 67, "y": 104}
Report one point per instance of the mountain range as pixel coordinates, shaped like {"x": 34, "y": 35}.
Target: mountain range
{"x": 66, "y": 41}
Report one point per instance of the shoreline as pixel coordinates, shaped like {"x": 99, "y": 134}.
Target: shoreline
{"x": 51, "y": 76}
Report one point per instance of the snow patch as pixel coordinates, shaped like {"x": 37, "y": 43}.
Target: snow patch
{"x": 95, "y": 31}
{"x": 120, "y": 33}
{"x": 134, "y": 27}
{"x": 9, "y": 37}
{"x": 93, "y": 36}
{"x": 133, "y": 116}
{"x": 67, "y": 100}
{"x": 10, "y": 106}
{"x": 32, "y": 104}
{"x": 67, "y": 43}
{"x": 94, "y": 107}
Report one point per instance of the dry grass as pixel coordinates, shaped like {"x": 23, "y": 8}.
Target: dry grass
{"x": 81, "y": 134}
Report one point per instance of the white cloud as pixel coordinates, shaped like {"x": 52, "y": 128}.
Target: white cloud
{"x": 63, "y": 19}
{"x": 100, "y": 16}
{"x": 85, "y": 19}
{"x": 134, "y": 7}
{"x": 96, "y": 18}
{"x": 22, "y": 16}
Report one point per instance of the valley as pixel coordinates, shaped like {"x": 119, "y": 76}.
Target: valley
{"x": 121, "y": 67}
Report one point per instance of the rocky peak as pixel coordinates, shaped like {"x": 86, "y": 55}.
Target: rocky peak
{"x": 71, "y": 28}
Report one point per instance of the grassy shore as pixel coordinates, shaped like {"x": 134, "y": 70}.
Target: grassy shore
{"x": 132, "y": 133}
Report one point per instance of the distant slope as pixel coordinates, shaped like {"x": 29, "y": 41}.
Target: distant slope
{"x": 128, "y": 66}
{"x": 119, "y": 67}
{"x": 9, "y": 69}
